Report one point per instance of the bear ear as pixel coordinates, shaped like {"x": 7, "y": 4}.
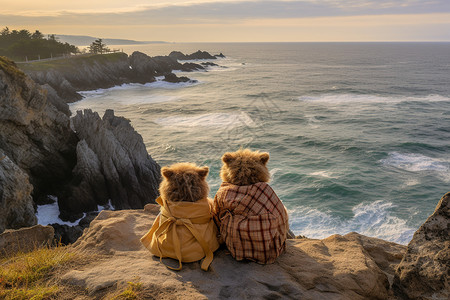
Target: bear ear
{"x": 264, "y": 157}
{"x": 167, "y": 172}
{"x": 227, "y": 158}
{"x": 203, "y": 172}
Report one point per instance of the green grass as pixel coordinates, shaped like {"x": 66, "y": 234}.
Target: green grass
{"x": 132, "y": 292}
{"x": 9, "y": 67}
{"x": 73, "y": 62}
{"x": 23, "y": 276}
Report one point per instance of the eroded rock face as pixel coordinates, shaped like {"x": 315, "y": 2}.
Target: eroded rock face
{"x": 25, "y": 239}
{"x": 339, "y": 267}
{"x": 424, "y": 272}
{"x": 33, "y": 133}
{"x": 113, "y": 163}
{"x": 16, "y": 203}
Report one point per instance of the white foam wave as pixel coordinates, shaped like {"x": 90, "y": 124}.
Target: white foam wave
{"x": 416, "y": 162}
{"x": 374, "y": 219}
{"x": 273, "y": 172}
{"x": 159, "y": 83}
{"x": 49, "y": 214}
{"x": 351, "y": 98}
{"x": 224, "y": 120}
{"x": 107, "y": 206}
{"x": 325, "y": 174}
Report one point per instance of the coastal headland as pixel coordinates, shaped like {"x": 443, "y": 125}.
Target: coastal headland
{"x": 98, "y": 159}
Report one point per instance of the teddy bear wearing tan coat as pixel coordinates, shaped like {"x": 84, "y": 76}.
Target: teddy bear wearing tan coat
{"x": 184, "y": 229}
{"x": 252, "y": 220}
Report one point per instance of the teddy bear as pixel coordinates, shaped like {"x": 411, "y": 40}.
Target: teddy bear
{"x": 252, "y": 220}
{"x": 184, "y": 229}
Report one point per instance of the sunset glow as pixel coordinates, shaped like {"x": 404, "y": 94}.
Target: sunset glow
{"x": 236, "y": 21}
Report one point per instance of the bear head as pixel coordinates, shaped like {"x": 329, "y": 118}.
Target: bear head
{"x": 184, "y": 182}
{"x": 245, "y": 167}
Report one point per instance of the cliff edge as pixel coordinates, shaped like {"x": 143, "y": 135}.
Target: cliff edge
{"x": 352, "y": 266}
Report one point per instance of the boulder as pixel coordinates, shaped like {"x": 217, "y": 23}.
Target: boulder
{"x": 424, "y": 271}
{"x": 209, "y": 64}
{"x": 25, "y": 239}
{"x": 33, "y": 133}
{"x": 113, "y": 163}
{"x": 175, "y": 79}
{"x": 196, "y": 55}
{"x": 66, "y": 234}
{"x": 339, "y": 267}
{"x": 16, "y": 203}
{"x": 145, "y": 68}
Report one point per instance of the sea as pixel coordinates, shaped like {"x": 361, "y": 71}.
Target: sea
{"x": 358, "y": 133}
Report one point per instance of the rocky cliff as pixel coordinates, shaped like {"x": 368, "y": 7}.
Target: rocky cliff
{"x": 40, "y": 155}
{"x": 112, "y": 164}
{"x": 16, "y": 203}
{"x": 68, "y": 76}
{"x": 34, "y": 135}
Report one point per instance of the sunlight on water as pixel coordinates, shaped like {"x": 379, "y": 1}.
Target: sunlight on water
{"x": 353, "y": 147}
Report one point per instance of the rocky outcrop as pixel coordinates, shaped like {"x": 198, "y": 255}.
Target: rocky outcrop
{"x": 16, "y": 203}
{"x": 83, "y": 73}
{"x": 113, "y": 163}
{"x": 25, "y": 239}
{"x": 424, "y": 271}
{"x": 339, "y": 267}
{"x": 175, "y": 79}
{"x": 196, "y": 55}
{"x": 53, "y": 98}
{"x": 33, "y": 133}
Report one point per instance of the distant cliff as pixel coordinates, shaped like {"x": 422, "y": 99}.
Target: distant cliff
{"x": 68, "y": 76}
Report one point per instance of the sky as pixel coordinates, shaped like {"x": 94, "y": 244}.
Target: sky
{"x": 234, "y": 20}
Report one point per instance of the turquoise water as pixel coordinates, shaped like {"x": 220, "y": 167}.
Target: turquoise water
{"x": 358, "y": 133}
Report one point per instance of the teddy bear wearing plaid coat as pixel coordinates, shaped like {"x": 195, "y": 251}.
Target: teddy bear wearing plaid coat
{"x": 252, "y": 220}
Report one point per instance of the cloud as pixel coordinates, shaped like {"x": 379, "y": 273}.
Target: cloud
{"x": 231, "y": 12}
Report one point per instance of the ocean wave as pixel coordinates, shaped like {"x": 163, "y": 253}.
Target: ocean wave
{"x": 159, "y": 83}
{"x": 353, "y": 98}
{"x": 416, "y": 162}
{"x": 49, "y": 214}
{"x": 325, "y": 174}
{"x": 223, "y": 120}
{"x": 374, "y": 219}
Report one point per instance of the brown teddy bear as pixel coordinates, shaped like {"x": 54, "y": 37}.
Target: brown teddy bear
{"x": 252, "y": 220}
{"x": 184, "y": 229}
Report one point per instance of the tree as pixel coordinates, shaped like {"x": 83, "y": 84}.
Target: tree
{"x": 97, "y": 46}
{"x": 37, "y": 35}
{"x": 20, "y": 44}
{"x": 5, "y": 31}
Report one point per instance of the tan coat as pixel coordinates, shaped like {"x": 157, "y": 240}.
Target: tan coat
{"x": 184, "y": 231}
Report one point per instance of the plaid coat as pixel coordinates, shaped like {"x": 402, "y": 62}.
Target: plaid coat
{"x": 252, "y": 221}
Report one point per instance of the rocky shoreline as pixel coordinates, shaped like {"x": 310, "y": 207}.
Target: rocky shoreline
{"x": 85, "y": 161}
{"x": 63, "y": 80}
{"x": 89, "y": 161}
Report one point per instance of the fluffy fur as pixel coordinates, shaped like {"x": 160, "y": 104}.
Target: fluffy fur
{"x": 184, "y": 182}
{"x": 245, "y": 167}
